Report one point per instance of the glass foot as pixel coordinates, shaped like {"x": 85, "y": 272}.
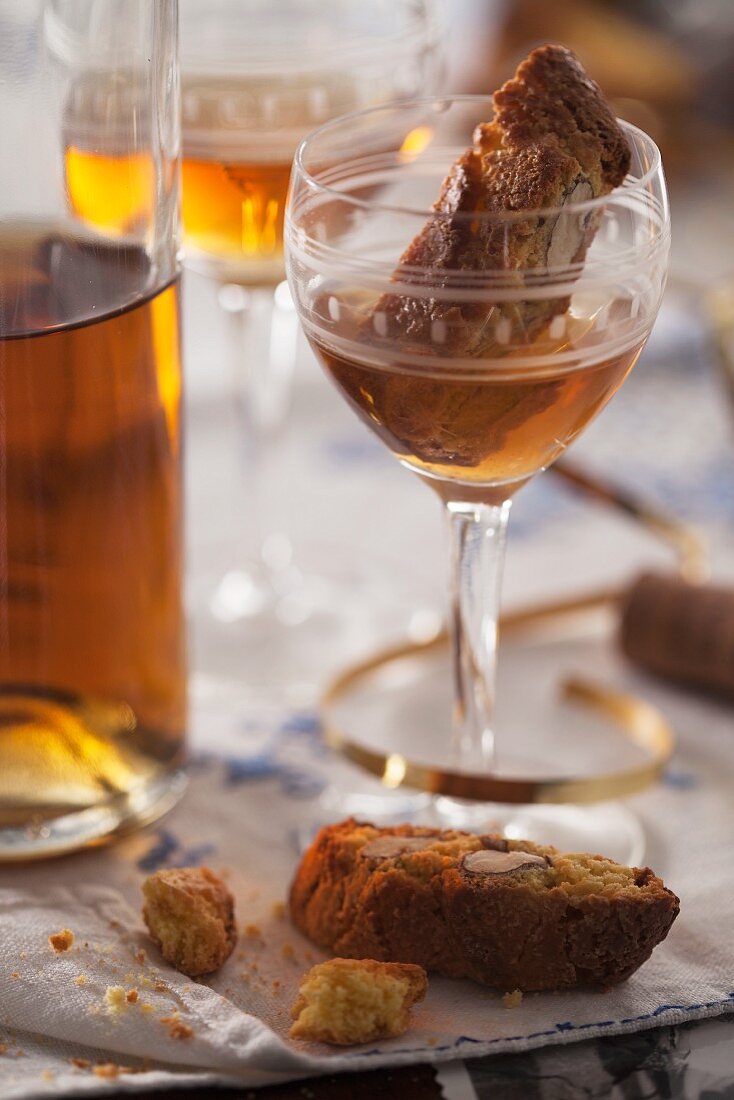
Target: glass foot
{"x": 391, "y": 714}
{"x": 366, "y": 799}
{"x": 43, "y": 837}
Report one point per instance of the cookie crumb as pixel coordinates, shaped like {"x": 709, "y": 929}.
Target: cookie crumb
{"x": 512, "y": 1000}
{"x": 48, "y": 1075}
{"x": 288, "y": 952}
{"x": 146, "y": 1007}
{"x": 252, "y": 931}
{"x": 131, "y": 996}
{"x": 106, "y": 1069}
{"x": 160, "y": 987}
{"x": 61, "y": 941}
{"x": 81, "y": 979}
{"x": 140, "y": 956}
{"x": 347, "y": 1001}
{"x": 15, "y": 975}
{"x": 278, "y": 910}
{"x": 190, "y": 915}
{"x": 80, "y": 1063}
{"x": 115, "y": 1000}
{"x": 176, "y": 1028}
{"x": 3, "y": 1049}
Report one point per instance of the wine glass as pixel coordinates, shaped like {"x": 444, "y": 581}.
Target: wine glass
{"x": 255, "y": 79}
{"x": 473, "y": 427}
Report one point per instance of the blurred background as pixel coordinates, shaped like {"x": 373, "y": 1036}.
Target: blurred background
{"x": 336, "y": 498}
{"x": 668, "y": 66}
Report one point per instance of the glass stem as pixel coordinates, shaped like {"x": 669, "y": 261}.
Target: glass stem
{"x": 261, "y": 333}
{"x": 477, "y": 551}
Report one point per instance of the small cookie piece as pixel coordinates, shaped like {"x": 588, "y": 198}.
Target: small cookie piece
{"x": 511, "y": 914}
{"x": 347, "y": 1001}
{"x": 190, "y": 914}
{"x": 61, "y": 941}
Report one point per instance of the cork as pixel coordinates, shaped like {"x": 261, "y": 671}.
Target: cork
{"x": 680, "y": 631}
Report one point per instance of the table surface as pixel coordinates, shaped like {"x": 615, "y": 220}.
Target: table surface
{"x": 675, "y": 1063}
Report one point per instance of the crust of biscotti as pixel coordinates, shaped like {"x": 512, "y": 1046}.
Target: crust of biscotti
{"x": 503, "y": 932}
{"x": 551, "y": 95}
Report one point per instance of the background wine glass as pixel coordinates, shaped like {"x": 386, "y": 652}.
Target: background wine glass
{"x": 254, "y": 83}
{"x": 92, "y": 654}
{"x": 474, "y": 429}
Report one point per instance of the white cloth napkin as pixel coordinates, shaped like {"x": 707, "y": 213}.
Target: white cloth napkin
{"x": 241, "y": 816}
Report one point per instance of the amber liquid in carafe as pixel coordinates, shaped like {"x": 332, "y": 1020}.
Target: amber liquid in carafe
{"x": 92, "y": 654}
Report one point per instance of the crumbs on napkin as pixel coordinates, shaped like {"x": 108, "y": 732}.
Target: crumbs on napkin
{"x": 61, "y": 941}
{"x": 107, "y": 1070}
{"x": 81, "y": 979}
{"x": 288, "y": 952}
{"x": 512, "y": 1000}
{"x": 115, "y": 1000}
{"x": 176, "y": 1028}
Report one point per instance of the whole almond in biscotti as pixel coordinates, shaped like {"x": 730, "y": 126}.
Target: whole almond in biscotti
{"x": 511, "y": 914}
{"x": 554, "y": 142}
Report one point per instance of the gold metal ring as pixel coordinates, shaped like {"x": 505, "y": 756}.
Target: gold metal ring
{"x": 636, "y": 719}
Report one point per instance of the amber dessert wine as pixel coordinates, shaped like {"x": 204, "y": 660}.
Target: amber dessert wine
{"x": 490, "y": 430}
{"x": 239, "y": 136}
{"x": 92, "y": 671}
{"x": 233, "y": 214}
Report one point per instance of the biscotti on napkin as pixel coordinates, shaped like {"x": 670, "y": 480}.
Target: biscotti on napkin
{"x": 510, "y": 914}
